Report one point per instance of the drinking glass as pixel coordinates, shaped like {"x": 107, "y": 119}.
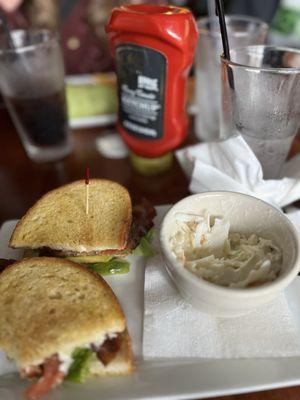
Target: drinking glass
{"x": 260, "y": 101}
{"x": 32, "y": 85}
{"x": 242, "y": 31}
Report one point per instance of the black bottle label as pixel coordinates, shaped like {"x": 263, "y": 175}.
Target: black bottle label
{"x": 141, "y": 75}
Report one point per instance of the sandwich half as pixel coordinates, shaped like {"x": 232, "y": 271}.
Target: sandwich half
{"x": 59, "y": 320}
{"x": 59, "y": 221}
{"x": 58, "y": 225}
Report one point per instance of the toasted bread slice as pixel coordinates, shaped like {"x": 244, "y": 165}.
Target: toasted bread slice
{"x": 50, "y": 306}
{"x": 59, "y": 220}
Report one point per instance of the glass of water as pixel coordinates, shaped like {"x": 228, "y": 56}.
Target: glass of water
{"x": 242, "y": 31}
{"x": 261, "y": 101}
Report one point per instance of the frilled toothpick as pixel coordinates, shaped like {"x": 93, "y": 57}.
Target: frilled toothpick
{"x": 87, "y": 185}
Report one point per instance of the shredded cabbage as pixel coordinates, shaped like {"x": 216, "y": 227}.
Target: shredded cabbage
{"x": 207, "y": 248}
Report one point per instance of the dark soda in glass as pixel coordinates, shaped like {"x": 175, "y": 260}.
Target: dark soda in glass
{"x": 43, "y": 119}
{"x": 32, "y": 83}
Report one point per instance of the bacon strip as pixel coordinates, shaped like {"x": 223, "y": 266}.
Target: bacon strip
{"x": 31, "y": 372}
{"x": 52, "y": 377}
{"x": 5, "y": 263}
{"x": 108, "y": 350}
{"x": 142, "y": 220}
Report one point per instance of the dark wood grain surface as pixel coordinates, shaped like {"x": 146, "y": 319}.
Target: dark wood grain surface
{"x": 22, "y": 182}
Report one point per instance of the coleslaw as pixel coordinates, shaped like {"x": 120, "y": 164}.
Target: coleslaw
{"x": 206, "y": 247}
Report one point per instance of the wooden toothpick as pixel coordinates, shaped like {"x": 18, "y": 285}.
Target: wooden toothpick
{"x": 87, "y": 184}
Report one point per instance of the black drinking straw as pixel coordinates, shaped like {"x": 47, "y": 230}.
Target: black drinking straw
{"x": 221, "y": 14}
{"x": 6, "y": 30}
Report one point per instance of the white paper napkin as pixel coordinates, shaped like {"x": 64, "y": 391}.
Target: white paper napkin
{"x": 231, "y": 165}
{"x": 173, "y": 328}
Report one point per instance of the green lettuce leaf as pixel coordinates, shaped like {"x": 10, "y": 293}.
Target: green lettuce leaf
{"x": 111, "y": 267}
{"x": 80, "y": 368}
{"x": 145, "y": 247}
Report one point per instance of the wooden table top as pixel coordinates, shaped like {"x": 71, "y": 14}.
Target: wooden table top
{"x": 22, "y": 182}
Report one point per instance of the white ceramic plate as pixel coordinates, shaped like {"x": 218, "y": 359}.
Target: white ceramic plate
{"x": 93, "y": 121}
{"x": 165, "y": 379}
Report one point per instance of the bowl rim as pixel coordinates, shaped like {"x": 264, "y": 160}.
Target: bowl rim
{"x": 272, "y": 287}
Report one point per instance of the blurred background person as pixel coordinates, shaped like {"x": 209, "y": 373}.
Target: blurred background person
{"x": 81, "y": 24}
{"x": 9, "y": 5}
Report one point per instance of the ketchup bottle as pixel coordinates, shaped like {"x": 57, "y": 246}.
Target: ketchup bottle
{"x": 154, "y": 47}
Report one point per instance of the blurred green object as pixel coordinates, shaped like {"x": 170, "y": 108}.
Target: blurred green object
{"x": 285, "y": 27}
{"x": 112, "y": 267}
{"x": 151, "y": 166}
{"x": 93, "y": 97}
{"x": 287, "y": 21}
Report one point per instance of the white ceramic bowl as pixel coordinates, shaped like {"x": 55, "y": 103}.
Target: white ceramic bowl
{"x": 247, "y": 215}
